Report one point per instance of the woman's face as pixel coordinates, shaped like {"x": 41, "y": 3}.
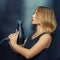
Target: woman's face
{"x": 34, "y": 20}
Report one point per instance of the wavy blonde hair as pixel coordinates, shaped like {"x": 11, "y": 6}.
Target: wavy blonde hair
{"x": 47, "y": 18}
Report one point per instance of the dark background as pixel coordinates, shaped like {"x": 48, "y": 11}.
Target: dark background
{"x": 13, "y": 10}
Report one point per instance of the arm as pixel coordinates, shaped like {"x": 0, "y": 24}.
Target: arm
{"x": 16, "y": 39}
{"x": 20, "y": 45}
{"x": 13, "y": 48}
{"x": 42, "y": 43}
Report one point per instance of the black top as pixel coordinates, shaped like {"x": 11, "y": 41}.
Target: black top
{"x": 7, "y": 53}
{"x": 44, "y": 55}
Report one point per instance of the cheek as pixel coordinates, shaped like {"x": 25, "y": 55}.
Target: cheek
{"x": 38, "y": 19}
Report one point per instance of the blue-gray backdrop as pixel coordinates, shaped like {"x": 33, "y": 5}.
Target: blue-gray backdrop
{"x": 13, "y": 10}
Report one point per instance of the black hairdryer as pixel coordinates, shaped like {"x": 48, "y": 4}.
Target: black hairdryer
{"x": 20, "y": 36}
{"x": 21, "y": 33}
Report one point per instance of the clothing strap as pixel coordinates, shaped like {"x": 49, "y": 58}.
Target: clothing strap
{"x": 42, "y": 34}
{"x": 39, "y": 35}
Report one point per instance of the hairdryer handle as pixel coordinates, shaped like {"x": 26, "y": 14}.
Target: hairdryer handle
{"x": 20, "y": 36}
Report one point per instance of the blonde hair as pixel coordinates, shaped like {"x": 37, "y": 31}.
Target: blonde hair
{"x": 47, "y": 18}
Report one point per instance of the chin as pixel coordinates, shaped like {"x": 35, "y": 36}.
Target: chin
{"x": 32, "y": 23}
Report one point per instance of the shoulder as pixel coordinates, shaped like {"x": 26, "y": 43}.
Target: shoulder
{"x": 46, "y": 36}
{"x": 46, "y": 39}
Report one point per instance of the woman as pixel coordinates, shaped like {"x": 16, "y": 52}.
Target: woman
{"x": 36, "y": 47}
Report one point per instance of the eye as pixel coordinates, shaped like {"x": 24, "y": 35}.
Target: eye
{"x": 33, "y": 12}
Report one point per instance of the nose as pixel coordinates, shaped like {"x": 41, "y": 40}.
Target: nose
{"x": 33, "y": 15}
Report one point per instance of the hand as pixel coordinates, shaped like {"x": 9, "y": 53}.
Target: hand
{"x": 13, "y": 37}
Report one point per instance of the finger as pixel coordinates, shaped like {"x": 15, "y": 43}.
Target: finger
{"x": 16, "y": 30}
{"x": 9, "y": 36}
{"x": 17, "y": 33}
{"x": 14, "y": 34}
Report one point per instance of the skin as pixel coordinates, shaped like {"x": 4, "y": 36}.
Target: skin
{"x": 43, "y": 42}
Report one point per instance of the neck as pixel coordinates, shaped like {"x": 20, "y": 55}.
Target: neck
{"x": 39, "y": 30}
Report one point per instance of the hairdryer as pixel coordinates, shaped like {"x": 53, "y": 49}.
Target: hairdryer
{"x": 20, "y": 36}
